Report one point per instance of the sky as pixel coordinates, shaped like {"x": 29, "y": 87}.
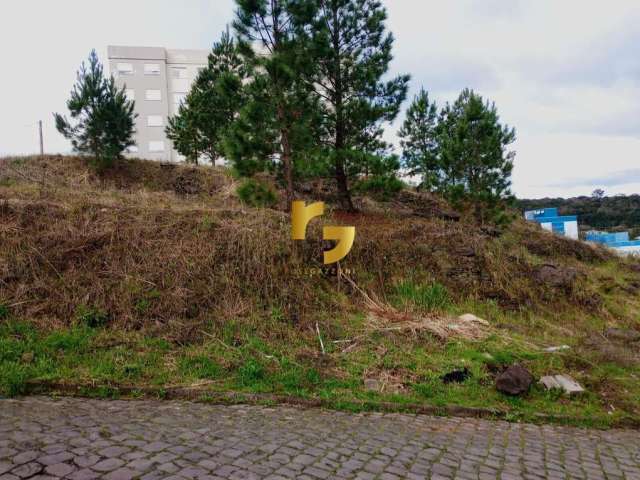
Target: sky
{"x": 565, "y": 74}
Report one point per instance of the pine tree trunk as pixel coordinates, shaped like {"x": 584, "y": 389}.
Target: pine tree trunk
{"x": 287, "y": 166}
{"x": 341, "y": 175}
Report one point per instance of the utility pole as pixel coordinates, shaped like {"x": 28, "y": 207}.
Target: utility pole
{"x": 41, "y": 141}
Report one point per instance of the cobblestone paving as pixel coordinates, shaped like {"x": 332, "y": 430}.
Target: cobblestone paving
{"x": 81, "y": 439}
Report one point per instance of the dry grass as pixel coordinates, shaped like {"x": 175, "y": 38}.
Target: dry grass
{"x": 133, "y": 245}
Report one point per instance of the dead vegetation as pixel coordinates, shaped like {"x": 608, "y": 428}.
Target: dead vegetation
{"x": 170, "y": 249}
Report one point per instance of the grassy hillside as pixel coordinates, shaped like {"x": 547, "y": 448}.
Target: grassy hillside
{"x": 158, "y": 276}
{"x": 615, "y": 213}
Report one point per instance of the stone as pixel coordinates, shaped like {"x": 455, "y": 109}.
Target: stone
{"x": 559, "y": 348}
{"x": 27, "y": 470}
{"x": 108, "y": 465}
{"x": 471, "y": 318}
{"x": 515, "y": 380}
{"x": 60, "y": 469}
{"x": 456, "y": 376}
{"x": 562, "y": 382}
{"x": 554, "y": 276}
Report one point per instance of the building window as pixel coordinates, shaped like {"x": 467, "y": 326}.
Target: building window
{"x": 152, "y": 69}
{"x": 153, "y": 95}
{"x": 156, "y": 146}
{"x": 130, "y": 93}
{"x": 179, "y": 72}
{"x": 179, "y": 98}
{"x": 124, "y": 69}
{"x": 154, "y": 121}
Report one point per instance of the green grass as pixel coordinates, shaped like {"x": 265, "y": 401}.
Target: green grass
{"x": 426, "y": 297}
{"x": 239, "y": 360}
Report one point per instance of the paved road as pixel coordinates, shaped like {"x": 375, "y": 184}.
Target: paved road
{"x": 117, "y": 440}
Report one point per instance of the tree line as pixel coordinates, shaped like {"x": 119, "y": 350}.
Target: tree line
{"x": 302, "y": 89}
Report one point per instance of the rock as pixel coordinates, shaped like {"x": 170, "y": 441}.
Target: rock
{"x": 554, "y": 276}
{"x": 562, "y": 382}
{"x": 559, "y": 348}
{"x": 456, "y": 376}
{"x": 622, "y": 334}
{"x": 471, "y": 318}
{"x": 372, "y": 384}
{"x": 515, "y": 380}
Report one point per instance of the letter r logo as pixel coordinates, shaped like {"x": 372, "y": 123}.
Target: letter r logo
{"x": 302, "y": 214}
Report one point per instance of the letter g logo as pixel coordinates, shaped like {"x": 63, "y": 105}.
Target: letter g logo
{"x": 302, "y": 214}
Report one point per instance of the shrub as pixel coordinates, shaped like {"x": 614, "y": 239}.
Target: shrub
{"x": 4, "y": 311}
{"x": 256, "y": 194}
{"x": 434, "y": 296}
{"x": 381, "y": 187}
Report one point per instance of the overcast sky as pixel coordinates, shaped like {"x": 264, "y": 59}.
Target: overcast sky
{"x": 565, "y": 73}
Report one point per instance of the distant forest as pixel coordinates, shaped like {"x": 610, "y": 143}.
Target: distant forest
{"x": 597, "y": 212}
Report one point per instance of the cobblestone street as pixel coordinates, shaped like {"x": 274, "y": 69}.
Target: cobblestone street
{"x": 81, "y": 439}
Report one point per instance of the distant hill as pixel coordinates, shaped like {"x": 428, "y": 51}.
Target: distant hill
{"x": 618, "y": 212}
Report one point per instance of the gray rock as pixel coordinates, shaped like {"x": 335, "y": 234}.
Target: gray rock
{"x": 515, "y": 380}
{"x": 562, "y": 382}
{"x": 554, "y": 276}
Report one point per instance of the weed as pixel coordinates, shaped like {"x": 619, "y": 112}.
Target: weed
{"x": 251, "y": 372}
{"x": 13, "y": 379}
{"x": 430, "y": 297}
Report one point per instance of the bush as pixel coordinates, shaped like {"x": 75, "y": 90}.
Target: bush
{"x": 381, "y": 187}
{"x": 256, "y": 194}
{"x": 434, "y": 296}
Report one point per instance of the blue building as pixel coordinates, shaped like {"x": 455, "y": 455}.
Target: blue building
{"x": 619, "y": 241}
{"x": 549, "y": 219}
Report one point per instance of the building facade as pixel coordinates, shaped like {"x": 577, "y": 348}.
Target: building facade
{"x": 618, "y": 241}
{"x": 158, "y": 79}
{"x": 549, "y": 219}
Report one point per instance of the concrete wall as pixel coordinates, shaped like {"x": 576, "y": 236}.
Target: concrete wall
{"x": 156, "y": 91}
{"x": 571, "y": 230}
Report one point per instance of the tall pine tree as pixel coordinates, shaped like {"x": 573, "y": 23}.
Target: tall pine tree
{"x": 104, "y": 119}
{"x": 277, "y": 121}
{"x": 352, "y": 54}
{"x": 475, "y": 163}
{"x": 212, "y": 105}
{"x": 418, "y": 139}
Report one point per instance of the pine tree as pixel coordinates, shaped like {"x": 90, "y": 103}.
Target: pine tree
{"x": 474, "y": 161}
{"x": 352, "y": 53}
{"x": 104, "y": 117}
{"x": 276, "y": 125}
{"x": 419, "y": 140}
{"x": 212, "y": 105}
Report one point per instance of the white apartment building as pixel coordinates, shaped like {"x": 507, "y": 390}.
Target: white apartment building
{"x": 158, "y": 79}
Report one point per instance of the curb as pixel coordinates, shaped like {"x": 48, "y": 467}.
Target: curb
{"x": 203, "y": 395}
